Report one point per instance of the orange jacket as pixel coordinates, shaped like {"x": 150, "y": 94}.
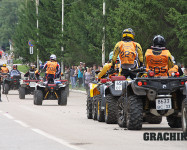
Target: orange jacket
{"x": 127, "y": 52}
{"x": 51, "y": 67}
{"x": 157, "y": 63}
{"x": 4, "y": 70}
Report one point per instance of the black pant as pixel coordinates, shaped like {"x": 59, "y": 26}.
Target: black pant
{"x": 126, "y": 73}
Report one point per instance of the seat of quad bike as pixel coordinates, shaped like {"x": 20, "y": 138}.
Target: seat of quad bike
{"x": 117, "y": 78}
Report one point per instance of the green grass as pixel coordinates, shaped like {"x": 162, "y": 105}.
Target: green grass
{"x": 23, "y": 68}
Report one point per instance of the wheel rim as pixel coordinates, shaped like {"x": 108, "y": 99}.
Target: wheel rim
{"x": 184, "y": 119}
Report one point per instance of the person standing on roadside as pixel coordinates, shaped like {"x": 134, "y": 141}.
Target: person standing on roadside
{"x": 88, "y": 78}
{"x": 80, "y": 75}
{"x": 67, "y": 73}
{"x": 72, "y": 78}
{"x": 93, "y": 70}
{"x": 75, "y": 75}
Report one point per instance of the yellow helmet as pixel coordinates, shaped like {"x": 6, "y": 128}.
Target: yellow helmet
{"x": 128, "y": 33}
{"x": 4, "y": 65}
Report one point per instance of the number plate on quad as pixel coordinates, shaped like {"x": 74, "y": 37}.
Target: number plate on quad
{"x": 32, "y": 84}
{"x": 164, "y": 103}
{"x": 118, "y": 85}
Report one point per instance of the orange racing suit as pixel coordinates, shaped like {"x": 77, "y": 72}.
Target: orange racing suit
{"x": 158, "y": 61}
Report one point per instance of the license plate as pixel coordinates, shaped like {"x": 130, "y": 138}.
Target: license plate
{"x": 118, "y": 85}
{"x": 164, "y": 103}
{"x": 32, "y": 84}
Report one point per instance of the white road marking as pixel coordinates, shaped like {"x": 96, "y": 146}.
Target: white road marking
{"x": 8, "y": 116}
{"x": 22, "y": 123}
{"x": 56, "y": 139}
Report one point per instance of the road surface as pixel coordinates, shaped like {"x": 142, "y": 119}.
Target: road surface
{"x": 24, "y": 126}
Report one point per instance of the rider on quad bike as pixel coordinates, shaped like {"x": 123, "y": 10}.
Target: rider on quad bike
{"x": 107, "y": 67}
{"x": 52, "y": 68}
{"x": 130, "y": 53}
{"x": 15, "y": 70}
{"x": 158, "y": 59}
{"x": 33, "y": 73}
{"x": 4, "y": 69}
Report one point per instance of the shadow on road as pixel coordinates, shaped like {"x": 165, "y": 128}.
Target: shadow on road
{"x": 160, "y": 129}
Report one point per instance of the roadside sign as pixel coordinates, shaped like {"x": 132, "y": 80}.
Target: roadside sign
{"x": 31, "y": 43}
{"x": 31, "y": 50}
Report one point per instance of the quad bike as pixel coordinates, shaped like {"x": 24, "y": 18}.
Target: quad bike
{"x": 184, "y": 112}
{"x": 27, "y": 86}
{"x": 149, "y": 98}
{"x": 51, "y": 90}
{"x": 11, "y": 82}
{"x": 103, "y": 102}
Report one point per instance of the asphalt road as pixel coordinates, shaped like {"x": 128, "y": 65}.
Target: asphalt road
{"x": 24, "y": 126}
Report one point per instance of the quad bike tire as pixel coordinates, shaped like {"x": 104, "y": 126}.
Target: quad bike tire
{"x": 6, "y": 88}
{"x": 121, "y": 116}
{"x": 38, "y": 97}
{"x": 89, "y": 107}
{"x": 100, "y": 113}
{"x": 110, "y": 109}
{"x": 21, "y": 92}
{"x": 184, "y": 116}
{"x": 134, "y": 113}
{"x": 174, "y": 121}
{"x": 94, "y": 108}
{"x": 152, "y": 119}
{"x": 63, "y": 98}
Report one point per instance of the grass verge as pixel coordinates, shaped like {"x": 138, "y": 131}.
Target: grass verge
{"x": 23, "y": 68}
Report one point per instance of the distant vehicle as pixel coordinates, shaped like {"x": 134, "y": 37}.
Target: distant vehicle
{"x": 11, "y": 82}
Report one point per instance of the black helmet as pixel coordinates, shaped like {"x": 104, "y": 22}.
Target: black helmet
{"x": 159, "y": 41}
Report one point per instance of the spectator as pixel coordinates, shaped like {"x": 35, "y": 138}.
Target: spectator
{"x": 72, "y": 78}
{"x": 185, "y": 71}
{"x": 84, "y": 69}
{"x": 75, "y": 74}
{"x": 88, "y": 77}
{"x": 80, "y": 75}
{"x": 93, "y": 70}
{"x": 67, "y": 73}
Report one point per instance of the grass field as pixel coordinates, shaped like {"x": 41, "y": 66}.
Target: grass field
{"x": 23, "y": 68}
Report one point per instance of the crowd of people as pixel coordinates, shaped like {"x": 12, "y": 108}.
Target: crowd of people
{"x": 80, "y": 76}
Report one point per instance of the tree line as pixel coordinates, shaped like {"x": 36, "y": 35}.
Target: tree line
{"x": 83, "y": 27}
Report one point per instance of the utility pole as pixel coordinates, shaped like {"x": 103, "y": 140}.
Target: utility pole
{"x": 62, "y": 48}
{"x": 103, "y": 40}
{"x": 37, "y": 26}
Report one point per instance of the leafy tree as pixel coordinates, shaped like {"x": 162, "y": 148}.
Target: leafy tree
{"x": 8, "y": 20}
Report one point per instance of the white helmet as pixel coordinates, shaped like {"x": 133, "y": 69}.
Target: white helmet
{"x": 53, "y": 57}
